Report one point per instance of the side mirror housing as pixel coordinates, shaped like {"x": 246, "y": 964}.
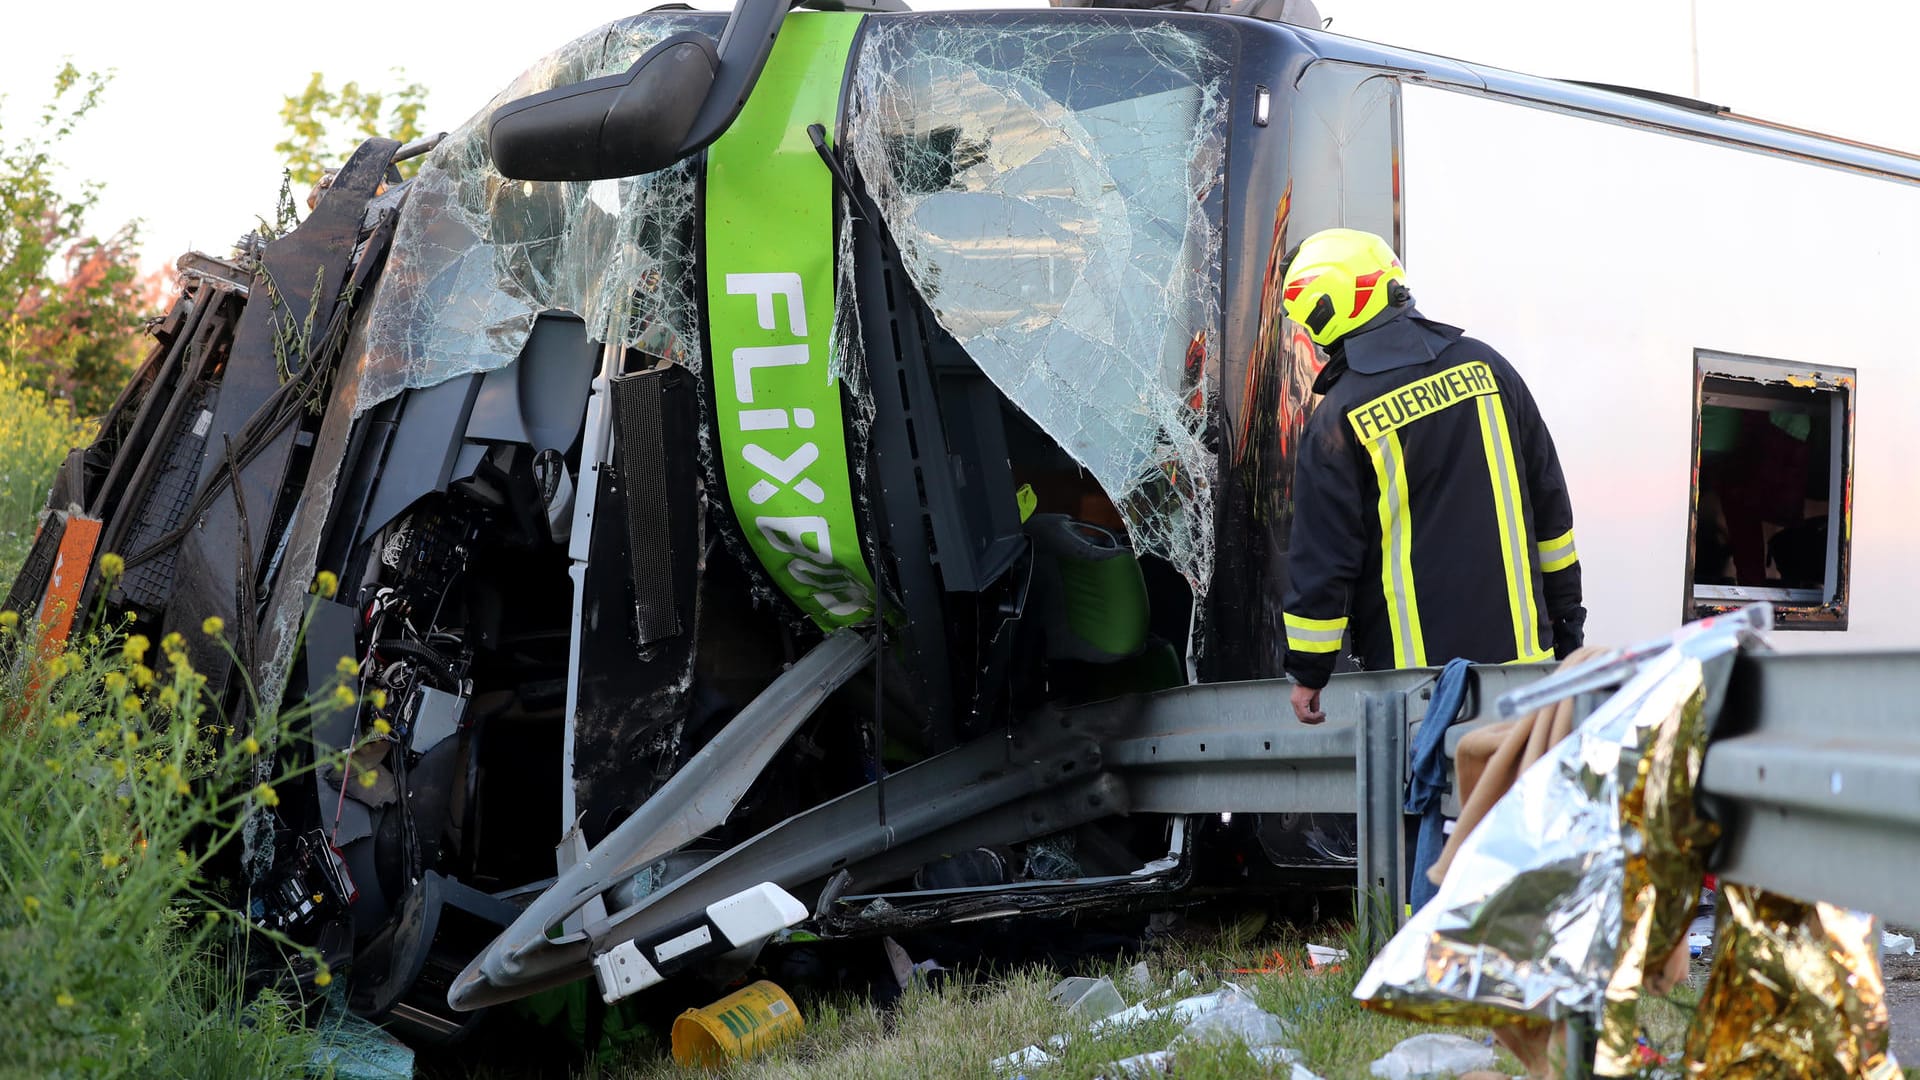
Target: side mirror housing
{"x": 618, "y": 125}
{"x": 677, "y": 99}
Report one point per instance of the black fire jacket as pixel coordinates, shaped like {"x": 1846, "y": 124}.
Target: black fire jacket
{"x": 1431, "y": 519}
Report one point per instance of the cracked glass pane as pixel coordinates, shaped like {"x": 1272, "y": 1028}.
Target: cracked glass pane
{"x": 1053, "y": 185}
{"x": 477, "y": 256}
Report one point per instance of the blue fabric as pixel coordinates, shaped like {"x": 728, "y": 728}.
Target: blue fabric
{"x": 1427, "y": 782}
{"x": 1426, "y": 851}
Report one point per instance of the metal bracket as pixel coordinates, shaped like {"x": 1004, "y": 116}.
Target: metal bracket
{"x": 1380, "y": 776}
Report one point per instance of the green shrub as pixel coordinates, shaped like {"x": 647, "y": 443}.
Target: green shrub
{"x": 119, "y": 955}
{"x": 35, "y": 434}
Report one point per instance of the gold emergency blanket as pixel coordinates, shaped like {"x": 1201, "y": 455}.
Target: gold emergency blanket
{"x": 1795, "y": 994}
{"x": 1580, "y": 883}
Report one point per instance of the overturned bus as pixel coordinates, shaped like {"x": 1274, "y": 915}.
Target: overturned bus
{"x": 772, "y": 461}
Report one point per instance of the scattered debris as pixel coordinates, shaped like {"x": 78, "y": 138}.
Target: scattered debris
{"x": 1161, "y": 1062}
{"x": 1139, "y": 979}
{"x": 1155, "y": 1063}
{"x": 1235, "y": 1016}
{"x": 1431, "y": 1057}
{"x": 740, "y": 1025}
{"x": 1891, "y": 942}
{"x": 1228, "y": 1013}
{"x": 905, "y": 971}
{"x": 1277, "y": 964}
{"x": 1185, "y": 1010}
{"x": 353, "y": 1048}
{"x": 1031, "y": 1057}
{"x": 1321, "y": 957}
{"x": 1094, "y": 999}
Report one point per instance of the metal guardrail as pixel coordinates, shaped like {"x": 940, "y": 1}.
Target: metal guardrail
{"x": 1813, "y": 768}
{"x": 1225, "y": 747}
{"x": 1814, "y": 773}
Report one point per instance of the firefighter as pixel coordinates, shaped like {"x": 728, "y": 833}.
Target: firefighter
{"x": 1431, "y": 520}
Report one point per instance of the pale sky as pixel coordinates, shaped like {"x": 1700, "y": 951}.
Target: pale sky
{"x": 185, "y": 137}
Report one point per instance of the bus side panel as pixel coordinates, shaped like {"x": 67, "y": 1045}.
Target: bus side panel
{"x": 1598, "y": 257}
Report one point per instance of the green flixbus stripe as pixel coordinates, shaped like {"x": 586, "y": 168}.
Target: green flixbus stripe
{"x": 770, "y": 303}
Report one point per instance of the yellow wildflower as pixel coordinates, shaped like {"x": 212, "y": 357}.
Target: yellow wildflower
{"x": 379, "y": 699}
{"x": 115, "y": 683}
{"x": 180, "y": 856}
{"x": 251, "y": 745}
{"x": 112, "y": 566}
{"x": 381, "y": 727}
{"x": 343, "y": 696}
{"x": 9, "y": 621}
{"x": 131, "y": 703}
{"x": 31, "y": 904}
{"x": 57, "y": 667}
{"x": 132, "y": 739}
{"x": 347, "y": 667}
{"x": 368, "y": 779}
{"x": 213, "y": 626}
{"x": 266, "y": 794}
{"x": 169, "y": 698}
{"x": 324, "y": 978}
{"x": 67, "y": 720}
{"x": 119, "y": 770}
{"x": 173, "y": 642}
{"x": 142, "y": 676}
{"x": 326, "y": 583}
{"x": 109, "y": 860}
{"x": 135, "y": 647}
{"x": 64, "y": 1000}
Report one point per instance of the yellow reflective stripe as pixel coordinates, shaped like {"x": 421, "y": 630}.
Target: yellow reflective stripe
{"x": 1397, "y": 408}
{"x": 1314, "y": 635}
{"x": 1516, "y": 559}
{"x": 1532, "y": 658}
{"x": 1558, "y": 554}
{"x": 1312, "y": 644}
{"x": 1396, "y": 552}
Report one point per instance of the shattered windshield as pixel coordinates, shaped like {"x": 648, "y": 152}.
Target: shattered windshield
{"x": 1053, "y": 185}
{"x": 477, "y": 256}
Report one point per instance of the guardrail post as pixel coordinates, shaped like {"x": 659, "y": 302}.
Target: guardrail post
{"x": 1380, "y": 774}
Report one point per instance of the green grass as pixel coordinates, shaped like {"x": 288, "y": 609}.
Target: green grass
{"x": 958, "y": 1027}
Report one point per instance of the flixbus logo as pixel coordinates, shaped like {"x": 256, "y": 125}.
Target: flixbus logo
{"x": 769, "y": 255}
{"x": 779, "y": 439}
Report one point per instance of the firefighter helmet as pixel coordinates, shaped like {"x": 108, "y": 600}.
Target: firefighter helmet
{"x": 1337, "y": 280}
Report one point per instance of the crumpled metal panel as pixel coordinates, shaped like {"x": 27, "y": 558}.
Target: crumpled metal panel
{"x": 1796, "y": 993}
{"x": 477, "y": 256}
{"x": 1584, "y": 874}
{"x": 1053, "y": 185}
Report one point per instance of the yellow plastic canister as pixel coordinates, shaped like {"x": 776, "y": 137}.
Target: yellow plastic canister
{"x": 740, "y": 1025}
